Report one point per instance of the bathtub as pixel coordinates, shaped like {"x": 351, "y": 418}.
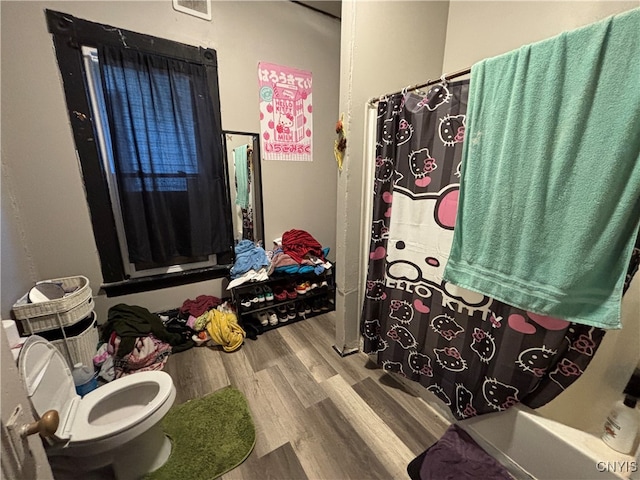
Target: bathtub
{"x": 532, "y": 446}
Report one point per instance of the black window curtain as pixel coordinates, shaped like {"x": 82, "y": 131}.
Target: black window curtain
{"x": 168, "y": 157}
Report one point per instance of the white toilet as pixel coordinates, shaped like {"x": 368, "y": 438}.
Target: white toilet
{"x": 113, "y": 431}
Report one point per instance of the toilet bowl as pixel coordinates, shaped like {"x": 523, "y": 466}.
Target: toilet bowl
{"x": 113, "y": 431}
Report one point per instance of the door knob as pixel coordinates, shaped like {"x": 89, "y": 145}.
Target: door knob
{"x": 46, "y": 426}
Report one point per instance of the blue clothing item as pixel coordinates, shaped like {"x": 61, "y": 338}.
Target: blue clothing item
{"x": 292, "y": 269}
{"x": 248, "y": 256}
{"x": 550, "y": 189}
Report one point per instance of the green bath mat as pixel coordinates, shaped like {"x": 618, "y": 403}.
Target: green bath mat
{"x": 210, "y": 436}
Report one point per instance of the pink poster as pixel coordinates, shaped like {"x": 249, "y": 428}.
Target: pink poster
{"x": 285, "y": 113}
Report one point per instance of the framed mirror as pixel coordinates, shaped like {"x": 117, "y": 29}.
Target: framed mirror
{"x": 245, "y": 184}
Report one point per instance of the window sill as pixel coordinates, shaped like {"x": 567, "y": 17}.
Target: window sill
{"x": 156, "y": 282}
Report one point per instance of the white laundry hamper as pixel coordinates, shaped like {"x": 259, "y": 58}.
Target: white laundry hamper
{"x": 77, "y": 343}
{"x": 57, "y": 313}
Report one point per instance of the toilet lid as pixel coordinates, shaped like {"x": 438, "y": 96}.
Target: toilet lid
{"x": 47, "y": 379}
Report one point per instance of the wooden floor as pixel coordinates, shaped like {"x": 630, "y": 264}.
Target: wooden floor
{"x": 317, "y": 415}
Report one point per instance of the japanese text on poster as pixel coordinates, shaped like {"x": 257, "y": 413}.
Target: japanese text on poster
{"x": 285, "y": 113}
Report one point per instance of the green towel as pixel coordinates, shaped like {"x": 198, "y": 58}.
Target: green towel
{"x": 242, "y": 176}
{"x": 550, "y": 189}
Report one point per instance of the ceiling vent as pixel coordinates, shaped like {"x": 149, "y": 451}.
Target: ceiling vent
{"x": 197, "y": 8}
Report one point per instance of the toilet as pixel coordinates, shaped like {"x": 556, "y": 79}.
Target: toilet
{"x": 112, "y": 432}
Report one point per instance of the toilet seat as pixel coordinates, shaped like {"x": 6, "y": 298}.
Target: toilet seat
{"x": 50, "y": 386}
{"x": 84, "y": 430}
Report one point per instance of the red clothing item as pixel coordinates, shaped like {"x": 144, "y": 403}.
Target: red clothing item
{"x": 200, "y": 305}
{"x": 298, "y": 243}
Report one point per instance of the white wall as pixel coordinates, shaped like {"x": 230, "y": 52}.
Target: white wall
{"x": 386, "y": 46}
{"x": 46, "y": 230}
{"x": 478, "y": 30}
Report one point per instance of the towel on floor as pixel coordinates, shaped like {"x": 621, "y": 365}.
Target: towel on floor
{"x": 456, "y": 456}
{"x": 550, "y": 190}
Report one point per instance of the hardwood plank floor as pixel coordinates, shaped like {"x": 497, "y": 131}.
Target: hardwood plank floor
{"x": 317, "y": 415}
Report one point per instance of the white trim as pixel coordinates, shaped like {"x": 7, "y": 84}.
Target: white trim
{"x": 90, "y": 56}
{"x": 368, "y": 170}
{"x": 195, "y": 13}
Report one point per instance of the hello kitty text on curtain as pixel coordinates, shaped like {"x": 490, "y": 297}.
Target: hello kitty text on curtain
{"x": 477, "y": 355}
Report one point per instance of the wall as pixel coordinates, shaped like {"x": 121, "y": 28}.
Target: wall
{"x": 478, "y": 30}
{"x": 46, "y": 230}
{"x": 29, "y": 459}
{"x": 17, "y": 268}
{"x": 386, "y": 46}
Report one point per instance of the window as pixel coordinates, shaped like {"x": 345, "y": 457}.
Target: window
{"x": 146, "y": 120}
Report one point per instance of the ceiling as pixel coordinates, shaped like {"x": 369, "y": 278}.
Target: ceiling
{"x": 330, "y": 7}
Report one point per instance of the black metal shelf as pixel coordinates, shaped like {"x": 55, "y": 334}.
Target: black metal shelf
{"x": 326, "y": 293}
{"x": 265, "y": 328}
{"x": 273, "y": 304}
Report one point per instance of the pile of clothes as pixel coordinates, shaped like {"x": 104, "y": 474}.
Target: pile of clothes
{"x": 296, "y": 252}
{"x": 209, "y": 320}
{"x": 135, "y": 340}
{"x": 249, "y": 256}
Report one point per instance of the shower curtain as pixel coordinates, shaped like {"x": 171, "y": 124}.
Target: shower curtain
{"x": 477, "y": 355}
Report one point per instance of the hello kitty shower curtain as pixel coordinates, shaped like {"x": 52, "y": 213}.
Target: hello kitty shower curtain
{"x": 475, "y": 354}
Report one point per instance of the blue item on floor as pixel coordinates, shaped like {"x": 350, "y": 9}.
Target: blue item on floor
{"x": 84, "y": 379}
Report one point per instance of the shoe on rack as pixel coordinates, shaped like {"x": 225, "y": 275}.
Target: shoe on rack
{"x": 273, "y": 318}
{"x": 307, "y": 308}
{"x": 324, "y": 305}
{"x": 282, "y": 313}
{"x": 291, "y": 291}
{"x": 245, "y": 302}
{"x": 268, "y": 293}
{"x": 324, "y": 284}
{"x": 291, "y": 312}
{"x": 302, "y": 288}
{"x": 258, "y": 295}
{"x": 317, "y": 306}
{"x": 300, "y": 310}
{"x": 279, "y": 293}
{"x": 262, "y": 317}
{"x": 313, "y": 286}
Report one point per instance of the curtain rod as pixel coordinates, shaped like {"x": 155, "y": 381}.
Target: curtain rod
{"x": 444, "y": 78}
